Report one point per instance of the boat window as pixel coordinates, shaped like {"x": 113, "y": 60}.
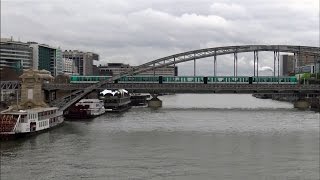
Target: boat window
{"x": 23, "y": 118}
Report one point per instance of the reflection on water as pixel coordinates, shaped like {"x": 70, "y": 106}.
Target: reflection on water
{"x": 191, "y": 137}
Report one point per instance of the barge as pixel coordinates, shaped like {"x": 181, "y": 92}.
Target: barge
{"x": 115, "y": 100}
{"x": 86, "y": 109}
{"x": 139, "y": 100}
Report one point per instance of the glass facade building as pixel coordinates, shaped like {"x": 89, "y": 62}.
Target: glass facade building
{"x": 44, "y": 58}
{"x": 15, "y": 55}
{"x": 83, "y": 60}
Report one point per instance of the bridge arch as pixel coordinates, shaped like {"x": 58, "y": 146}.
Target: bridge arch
{"x": 218, "y": 51}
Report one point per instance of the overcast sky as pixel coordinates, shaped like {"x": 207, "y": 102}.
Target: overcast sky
{"x": 138, "y": 31}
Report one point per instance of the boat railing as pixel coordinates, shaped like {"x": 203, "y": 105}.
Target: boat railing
{"x": 16, "y": 125}
{"x": 7, "y": 110}
{"x": 7, "y": 123}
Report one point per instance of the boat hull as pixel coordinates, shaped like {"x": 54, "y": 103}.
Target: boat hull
{"x": 14, "y": 136}
{"x": 77, "y": 116}
{"x": 118, "y": 109}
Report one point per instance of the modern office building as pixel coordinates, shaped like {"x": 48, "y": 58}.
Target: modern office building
{"x": 290, "y": 66}
{"x": 112, "y": 69}
{"x": 47, "y": 57}
{"x": 69, "y": 67}
{"x": 311, "y": 68}
{"x": 83, "y": 60}
{"x": 306, "y": 60}
{"x": 14, "y": 54}
{"x": 287, "y": 65}
{"x": 57, "y": 62}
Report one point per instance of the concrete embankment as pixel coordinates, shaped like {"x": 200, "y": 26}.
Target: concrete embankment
{"x": 312, "y": 103}
{"x": 155, "y": 103}
{"x": 315, "y": 104}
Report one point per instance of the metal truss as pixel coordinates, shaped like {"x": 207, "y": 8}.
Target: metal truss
{"x": 218, "y": 51}
{"x": 10, "y": 85}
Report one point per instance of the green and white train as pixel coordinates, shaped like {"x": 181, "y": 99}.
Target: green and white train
{"x": 189, "y": 79}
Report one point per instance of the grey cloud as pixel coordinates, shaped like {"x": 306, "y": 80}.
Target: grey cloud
{"x": 139, "y": 31}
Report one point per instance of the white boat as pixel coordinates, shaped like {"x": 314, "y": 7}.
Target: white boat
{"x": 15, "y": 123}
{"x": 86, "y": 108}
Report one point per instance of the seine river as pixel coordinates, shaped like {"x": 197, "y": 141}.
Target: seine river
{"x": 192, "y": 137}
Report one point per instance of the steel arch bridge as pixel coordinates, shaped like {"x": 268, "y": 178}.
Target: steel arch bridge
{"x": 298, "y": 51}
{"x": 218, "y": 51}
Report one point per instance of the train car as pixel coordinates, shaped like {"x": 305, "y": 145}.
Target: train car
{"x": 228, "y": 79}
{"x": 139, "y": 79}
{"x": 87, "y": 79}
{"x": 273, "y": 80}
{"x": 182, "y": 79}
{"x": 190, "y": 79}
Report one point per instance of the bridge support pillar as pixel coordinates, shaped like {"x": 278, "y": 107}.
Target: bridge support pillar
{"x": 301, "y": 104}
{"x": 154, "y": 102}
{"x": 32, "y": 94}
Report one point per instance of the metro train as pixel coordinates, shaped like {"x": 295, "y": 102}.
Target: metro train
{"x": 190, "y": 79}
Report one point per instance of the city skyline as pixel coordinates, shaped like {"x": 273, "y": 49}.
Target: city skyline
{"x": 139, "y": 31}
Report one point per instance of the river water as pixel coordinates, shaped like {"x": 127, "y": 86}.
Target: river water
{"x": 194, "y": 136}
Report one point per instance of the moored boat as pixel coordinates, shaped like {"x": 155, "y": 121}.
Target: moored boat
{"x": 139, "y": 99}
{"x": 115, "y": 100}
{"x": 17, "y": 123}
{"x": 85, "y": 109}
